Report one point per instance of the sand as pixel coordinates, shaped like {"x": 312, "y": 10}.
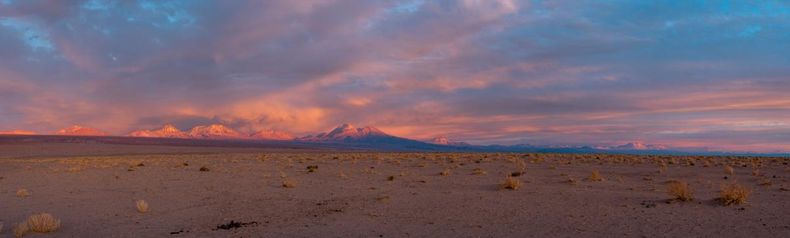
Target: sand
{"x": 386, "y": 194}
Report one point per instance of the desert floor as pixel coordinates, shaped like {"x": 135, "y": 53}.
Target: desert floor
{"x": 383, "y": 194}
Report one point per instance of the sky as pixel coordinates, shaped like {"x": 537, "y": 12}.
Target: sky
{"x": 690, "y": 74}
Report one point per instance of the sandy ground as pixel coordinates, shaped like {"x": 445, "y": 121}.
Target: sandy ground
{"x": 389, "y": 195}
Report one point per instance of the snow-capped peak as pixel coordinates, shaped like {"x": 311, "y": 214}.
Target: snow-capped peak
{"x": 212, "y": 131}
{"x": 77, "y": 130}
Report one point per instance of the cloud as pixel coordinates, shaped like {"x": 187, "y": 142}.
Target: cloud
{"x": 689, "y": 74}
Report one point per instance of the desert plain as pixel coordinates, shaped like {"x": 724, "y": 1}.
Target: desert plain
{"x": 96, "y": 190}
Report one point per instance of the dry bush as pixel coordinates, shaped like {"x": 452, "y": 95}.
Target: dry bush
{"x": 312, "y": 168}
{"x": 43, "y": 223}
{"x": 729, "y": 170}
{"x": 511, "y": 183}
{"x": 734, "y": 194}
{"x": 446, "y": 172}
{"x": 142, "y": 206}
{"x": 287, "y": 183}
{"x": 204, "y": 169}
{"x": 595, "y": 176}
{"x": 369, "y": 171}
{"x": 23, "y": 193}
{"x": 680, "y": 191}
{"x": 765, "y": 182}
{"x": 479, "y": 171}
{"x": 522, "y": 166}
{"x": 756, "y": 172}
{"x": 343, "y": 175}
{"x": 21, "y": 229}
{"x": 571, "y": 181}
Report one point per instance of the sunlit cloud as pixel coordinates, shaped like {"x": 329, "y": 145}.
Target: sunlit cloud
{"x": 696, "y": 75}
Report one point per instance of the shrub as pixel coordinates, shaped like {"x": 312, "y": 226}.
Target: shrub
{"x": 680, "y": 191}
{"x": 733, "y": 194}
{"x": 312, "y": 168}
{"x": 571, "y": 181}
{"x": 765, "y": 182}
{"x": 287, "y": 183}
{"x": 22, "y": 193}
{"x": 479, "y": 171}
{"x": 204, "y": 169}
{"x": 142, "y": 206}
{"x": 43, "y": 223}
{"x": 21, "y": 229}
{"x": 521, "y": 165}
{"x": 511, "y": 183}
{"x": 596, "y": 176}
{"x": 446, "y": 172}
{"x": 729, "y": 170}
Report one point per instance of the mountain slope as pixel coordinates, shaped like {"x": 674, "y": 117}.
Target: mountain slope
{"x": 167, "y": 131}
{"x": 442, "y": 140}
{"x": 272, "y": 135}
{"x": 76, "y": 130}
{"x": 215, "y": 131}
{"x": 639, "y": 146}
{"x": 17, "y": 132}
{"x": 370, "y": 138}
{"x": 348, "y": 133}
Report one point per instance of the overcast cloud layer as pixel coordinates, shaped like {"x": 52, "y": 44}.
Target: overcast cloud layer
{"x": 680, "y": 73}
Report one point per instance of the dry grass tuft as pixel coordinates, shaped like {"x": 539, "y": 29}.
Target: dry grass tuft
{"x": 511, "y": 183}
{"x": 596, "y": 176}
{"x": 479, "y": 171}
{"x": 43, "y": 223}
{"x": 729, "y": 170}
{"x": 765, "y": 182}
{"x": 142, "y": 206}
{"x": 287, "y": 183}
{"x": 680, "y": 191}
{"x": 446, "y": 172}
{"x": 312, "y": 168}
{"x": 571, "y": 181}
{"x": 23, "y": 193}
{"x": 343, "y": 175}
{"x": 21, "y": 229}
{"x": 733, "y": 194}
{"x": 521, "y": 165}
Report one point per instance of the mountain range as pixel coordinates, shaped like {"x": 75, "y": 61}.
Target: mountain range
{"x": 213, "y": 131}
{"x": 367, "y": 136}
{"x": 347, "y": 136}
{"x": 443, "y": 140}
{"x": 17, "y": 132}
